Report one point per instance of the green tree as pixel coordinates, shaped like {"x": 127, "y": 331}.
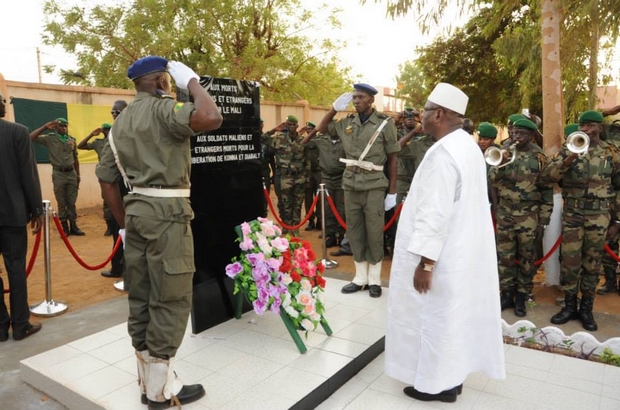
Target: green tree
{"x": 258, "y": 40}
{"x": 412, "y": 84}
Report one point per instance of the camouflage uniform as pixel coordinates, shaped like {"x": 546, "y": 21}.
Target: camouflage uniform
{"x": 365, "y": 190}
{"x": 292, "y": 167}
{"x": 609, "y": 263}
{"x": 525, "y": 201}
{"x": 330, "y": 152}
{"x": 314, "y": 177}
{"x": 590, "y": 187}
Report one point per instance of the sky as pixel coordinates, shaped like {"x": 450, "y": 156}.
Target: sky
{"x": 376, "y": 43}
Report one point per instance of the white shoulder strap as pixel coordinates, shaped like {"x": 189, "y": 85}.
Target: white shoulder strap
{"x": 372, "y": 140}
{"x": 118, "y": 162}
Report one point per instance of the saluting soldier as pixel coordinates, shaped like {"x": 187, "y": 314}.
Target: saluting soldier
{"x": 292, "y": 166}
{"x": 63, "y": 155}
{"x": 369, "y": 141}
{"x": 523, "y": 211}
{"x": 312, "y": 185}
{"x": 152, "y": 141}
{"x": 590, "y": 186}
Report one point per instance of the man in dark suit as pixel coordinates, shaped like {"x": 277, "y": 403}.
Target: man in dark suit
{"x": 20, "y": 202}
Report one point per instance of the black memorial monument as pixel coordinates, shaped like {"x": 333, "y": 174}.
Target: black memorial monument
{"x": 226, "y": 191}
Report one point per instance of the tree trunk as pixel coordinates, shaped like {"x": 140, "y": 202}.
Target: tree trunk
{"x": 553, "y": 102}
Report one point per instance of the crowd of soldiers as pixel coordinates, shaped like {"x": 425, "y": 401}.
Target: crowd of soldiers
{"x": 520, "y": 189}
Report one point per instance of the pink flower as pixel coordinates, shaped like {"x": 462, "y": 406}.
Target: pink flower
{"x": 281, "y": 244}
{"x": 259, "y": 306}
{"x": 263, "y": 244}
{"x": 246, "y": 244}
{"x": 246, "y": 229}
{"x": 305, "y": 298}
{"x": 267, "y": 228}
{"x": 233, "y": 269}
{"x": 307, "y": 324}
{"x": 309, "y": 309}
{"x": 286, "y": 279}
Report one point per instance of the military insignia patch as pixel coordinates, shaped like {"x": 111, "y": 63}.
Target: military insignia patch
{"x": 178, "y": 106}
{"x": 348, "y": 130}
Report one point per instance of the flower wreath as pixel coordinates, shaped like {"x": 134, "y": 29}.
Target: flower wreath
{"x": 278, "y": 273}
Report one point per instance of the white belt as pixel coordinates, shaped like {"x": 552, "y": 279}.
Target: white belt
{"x": 367, "y": 165}
{"x": 161, "y": 192}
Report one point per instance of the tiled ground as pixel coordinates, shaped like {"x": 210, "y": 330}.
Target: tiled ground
{"x": 253, "y": 364}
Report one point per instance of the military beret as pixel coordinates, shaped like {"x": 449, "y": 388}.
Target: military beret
{"x": 570, "y": 128}
{"x": 146, "y": 65}
{"x": 106, "y": 125}
{"x": 311, "y": 124}
{"x": 590, "y": 116}
{"x": 365, "y": 88}
{"x": 407, "y": 108}
{"x": 292, "y": 118}
{"x": 487, "y": 130}
{"x": 525, "y": 123}
{"x": 515, "y": 117}
{"x": 62, "y": 121}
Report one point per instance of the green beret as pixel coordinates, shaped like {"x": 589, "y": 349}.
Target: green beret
{"x": 407, "y": 108}
{"x": 310, "y": 123}
{"x": 292, "y": 118}
{"x": 62, "y": 121}
{"x": 525, "y": 123}
{"x": 106, "y": 125}
{"x": 486, "y": 130}
{"x": 590, "y": 116}
{"x": 515, "y": 117}
{"x": 570, "y": 128}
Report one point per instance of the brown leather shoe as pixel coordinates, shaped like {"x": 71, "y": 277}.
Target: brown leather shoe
{"x": 31, "y": 329}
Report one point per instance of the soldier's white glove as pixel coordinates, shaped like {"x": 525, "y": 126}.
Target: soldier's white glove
{"x": 121, "y": 233}
{"x": 343, "y": 101}
{"x": 389, "y": 202}
{"x": 182, "y": 74}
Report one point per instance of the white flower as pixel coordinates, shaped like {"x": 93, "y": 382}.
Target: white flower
{"x": 305, "y": 298}
{"x": 286, "y": 279}
{"x": 286, "y": 301}
{"x": 291, "y": 311}
{"x": 306, "y": 285}
{"x": 263, "y": 244}
{"x": 315, "y": 316}
{"x": 307, "y": 324}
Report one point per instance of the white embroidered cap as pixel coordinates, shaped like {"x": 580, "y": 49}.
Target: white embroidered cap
{"x": 450, "y": 97}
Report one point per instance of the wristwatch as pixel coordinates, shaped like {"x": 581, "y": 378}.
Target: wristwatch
{"x": 428, "y": 267}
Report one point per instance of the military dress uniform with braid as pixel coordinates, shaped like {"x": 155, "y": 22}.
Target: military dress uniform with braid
{"x": 364, "y": 190}
{"x": 63, "y": 156}
{"x": 292, "y": 167}
{"x": 525, "y": 202}
{"x": 590, "y": 190}
{"x": 152, "y": 138}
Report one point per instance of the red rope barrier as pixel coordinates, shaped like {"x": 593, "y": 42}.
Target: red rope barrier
{"x": 118, "y": 243}
{"x": 553, "y": 249}
{"x": 33, "y": 256}
{"x": 391, "y": 221}
{"x": 330, "y": 201}
{"x": 611, "y": 253}
{"x": 278, "y": 220}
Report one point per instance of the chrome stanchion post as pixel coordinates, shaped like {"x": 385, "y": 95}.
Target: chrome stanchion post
{"x": 49, "y": 307}
{"x": 328, "y": 263}
{"x": 119, "y": 285}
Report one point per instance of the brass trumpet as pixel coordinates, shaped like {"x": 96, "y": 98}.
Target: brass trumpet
{"x": 494, "y": 156}
{"x": 578, "y": 142}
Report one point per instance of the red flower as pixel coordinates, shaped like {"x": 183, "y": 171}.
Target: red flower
{"x": 286, "y": 262}
{"x": 321, "y": 267}
{"x": 295, "y": 276}
{"x": 320, "y": 281}
{"x": 296, "y": 239}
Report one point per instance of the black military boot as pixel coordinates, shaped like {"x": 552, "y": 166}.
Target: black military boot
{"x": 520, "y": 304}
{"x": 506, "y": 299}
{"x": 568, "y": 312}
{"x": 74, "y": 230}
{"x": 585, "y": 313}
{"x": 611, "y": 282}
{"x": 65, "y": 227}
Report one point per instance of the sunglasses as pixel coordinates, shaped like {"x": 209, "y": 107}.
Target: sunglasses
{"x": 115, "y": 112}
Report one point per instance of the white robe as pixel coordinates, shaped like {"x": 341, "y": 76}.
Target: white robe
{"x": 434, "y": 340}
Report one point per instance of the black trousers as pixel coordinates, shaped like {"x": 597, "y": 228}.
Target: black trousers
{"x": 13, "y": 247}
{"x": 118, "y": 260}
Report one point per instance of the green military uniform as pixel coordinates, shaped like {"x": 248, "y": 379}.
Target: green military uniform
{"x": 612, "y": 133}
{"x": 63, "y": 157}
{"x": 152, "y": 138}
{"x": 330, "y": 152}
{"x": 312, "y": 184}
{"x": 525, "y": 202}
{"x": 97, "y": 146}
{"x": 292, "y": 167}
{"x": 365, "y": 189}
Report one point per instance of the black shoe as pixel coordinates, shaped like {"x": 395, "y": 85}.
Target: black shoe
{"x": 568, "y": 312}
{"x": 341, "y": 252}
{"x": 108, "y": 232}
{"x": 585, "y": 313}
{"x": 188, "y": 394}
{"x": 31, "y": 329}
{"x": 506, "y": 300}
{"x": 111, "y": 274}
{"x": 65, "y": 227}
{"x": 331, "y": 241}
{"x": 311, "y": 226}
{"x": 375, "y": 291}
{"x": 459, "y": 388}
{"x": 4, "y": 335}
{"x": 352, "y": 288}
{"x": 520, "y": 304}
{"x": 74, "y": 230}
{"x": 446, "y": 396}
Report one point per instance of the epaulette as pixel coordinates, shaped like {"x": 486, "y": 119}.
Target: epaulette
{"x": 382, "y": 115}
{"x": 352, "y": 115}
